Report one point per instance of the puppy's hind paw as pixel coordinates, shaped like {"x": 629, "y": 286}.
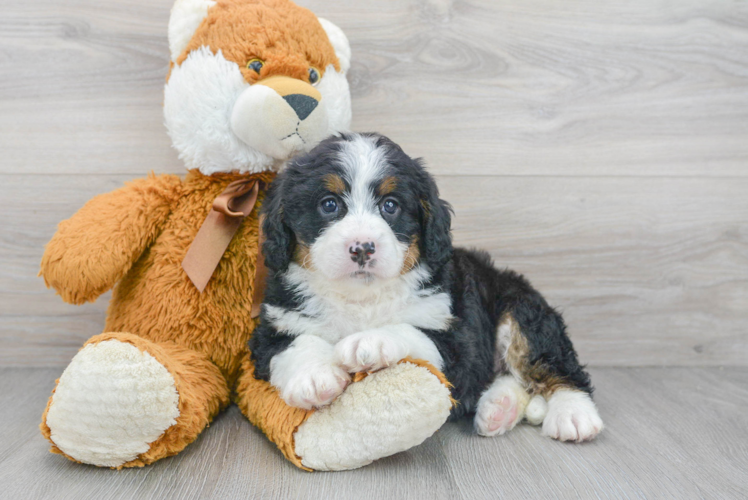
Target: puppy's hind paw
{"x": 497, "y": 417}
{"x": 501, "y": 407}
{"x": 572, "y": 416}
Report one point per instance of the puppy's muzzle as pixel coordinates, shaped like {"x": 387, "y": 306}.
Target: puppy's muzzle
{"x": 361, "y": 252}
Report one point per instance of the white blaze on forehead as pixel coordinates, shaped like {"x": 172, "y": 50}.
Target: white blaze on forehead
{"x": 363, "y": 164}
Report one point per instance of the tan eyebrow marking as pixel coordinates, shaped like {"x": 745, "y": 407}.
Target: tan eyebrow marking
{"x": 412, "y": 257}
{"x": 426, "y": 208}
{"x": 302, "y": 256}
{"x": 387, "y": 186}
{"x": 334, "y": 183}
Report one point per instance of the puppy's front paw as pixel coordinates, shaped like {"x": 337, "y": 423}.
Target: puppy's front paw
{"x": 572, "y": 416}
{"x": 315, "y": 387}
{"x": 369, "y": 351}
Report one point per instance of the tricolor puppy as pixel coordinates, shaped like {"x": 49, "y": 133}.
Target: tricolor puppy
{"x": 364, "y": 275}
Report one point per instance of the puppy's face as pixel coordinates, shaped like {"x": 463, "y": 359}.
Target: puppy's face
{"x": 356, "y": 208}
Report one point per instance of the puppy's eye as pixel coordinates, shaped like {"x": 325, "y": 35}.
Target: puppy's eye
{"x": 329, "y": 205}
{"x": 313, "y": 76}
{"x": 389, "y": 206}
{"x": 255, "y": 65}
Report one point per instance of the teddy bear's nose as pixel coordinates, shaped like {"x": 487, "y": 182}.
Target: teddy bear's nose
{"x": 302, "y": 104}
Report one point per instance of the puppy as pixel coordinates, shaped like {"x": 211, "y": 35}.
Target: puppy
{"x": 364, "y": 274}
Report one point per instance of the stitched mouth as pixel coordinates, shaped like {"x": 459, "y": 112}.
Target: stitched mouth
{"x": 295, "y": 133}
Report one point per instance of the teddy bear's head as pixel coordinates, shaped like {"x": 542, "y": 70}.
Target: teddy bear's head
{"x": 252, "y": 83}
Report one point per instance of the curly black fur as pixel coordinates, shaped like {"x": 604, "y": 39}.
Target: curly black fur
{"x": 481, "y": 294}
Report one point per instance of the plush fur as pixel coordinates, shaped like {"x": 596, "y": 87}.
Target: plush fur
{"x": 114, "y": 405}
{"x": 365, "y": 275}
{"x": 137, "y": 416}
{"x": 332, "y": 437}
{"x": 137, "y": 237}
{"x": 224, "y": 116}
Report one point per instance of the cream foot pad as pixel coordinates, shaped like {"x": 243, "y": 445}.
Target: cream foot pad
{"x": 389, "y": 411}
{"x": 112, "y": 401}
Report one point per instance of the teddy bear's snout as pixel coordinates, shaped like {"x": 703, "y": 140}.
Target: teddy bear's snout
{"x": 280, "y": 116}
{"x": 302, "y": 104}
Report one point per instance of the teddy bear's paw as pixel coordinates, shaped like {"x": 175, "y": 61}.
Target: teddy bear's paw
{"x": 501, "y": 407}
{"x": 315, "y": 386}
{"x": 369, "y": 350}
{"x": 572, "y": 416}
{"x": 110, "y": 403}
{"x": 387, "y": 412}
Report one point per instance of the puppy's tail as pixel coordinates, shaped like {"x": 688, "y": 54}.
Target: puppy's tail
{"x": 536, "y": 410}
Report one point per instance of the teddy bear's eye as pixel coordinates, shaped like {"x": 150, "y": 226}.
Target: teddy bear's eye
{"x": 313, "y": 76}
{"x": 255, "y": 65}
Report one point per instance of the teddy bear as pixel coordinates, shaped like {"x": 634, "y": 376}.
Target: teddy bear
{"x": 251, "y": 83}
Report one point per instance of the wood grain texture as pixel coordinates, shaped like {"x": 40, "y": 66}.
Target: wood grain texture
{"x": 601, "y": 148}
{"x": 500, "y": 87}
{"x": 670, "y": 433}
{"x": 643, "y": 274}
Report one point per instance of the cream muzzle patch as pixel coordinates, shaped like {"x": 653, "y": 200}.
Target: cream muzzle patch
{"x": 279, "y": 116}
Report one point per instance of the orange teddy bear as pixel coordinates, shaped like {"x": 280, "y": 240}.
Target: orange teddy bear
{"x": 252, "y": 82}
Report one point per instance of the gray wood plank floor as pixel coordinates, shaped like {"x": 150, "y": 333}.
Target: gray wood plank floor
{"x": 670, "y": 433}
{"x": 597, "y": 146}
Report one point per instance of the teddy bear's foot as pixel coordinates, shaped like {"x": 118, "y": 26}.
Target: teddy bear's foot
{"x": 125, "y": 401}
{"x": 111, "y": 403}
{"x": 387, "y": 412}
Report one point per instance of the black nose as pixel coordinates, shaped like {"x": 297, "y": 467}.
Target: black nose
{"x": 302, "y": 104}
{"x": 362, "y": 252}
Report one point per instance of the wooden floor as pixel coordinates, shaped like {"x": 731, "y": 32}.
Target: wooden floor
{"x": 670, "y": 433}
{"x": 598, "y": 146}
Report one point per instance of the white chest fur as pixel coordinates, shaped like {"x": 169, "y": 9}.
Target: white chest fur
{"x": 333, "y": 311}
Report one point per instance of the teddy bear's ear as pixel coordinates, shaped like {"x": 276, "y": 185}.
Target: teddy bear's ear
{"x": 186, "y": 16}
{"x": 339, "y": 43}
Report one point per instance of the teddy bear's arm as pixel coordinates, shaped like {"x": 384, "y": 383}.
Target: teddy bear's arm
{"x": 93, "y": 249}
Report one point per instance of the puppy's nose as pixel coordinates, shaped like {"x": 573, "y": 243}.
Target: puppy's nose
{"x": 362, "y": 252}
{"x": 302, "y": 104}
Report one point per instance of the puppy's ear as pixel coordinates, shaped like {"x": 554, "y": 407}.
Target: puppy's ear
{"x": 279, "y": 239}
{"x": 436, "y": 226}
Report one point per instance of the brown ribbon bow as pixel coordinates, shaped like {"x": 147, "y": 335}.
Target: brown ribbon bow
{"x": 229, "y": 210}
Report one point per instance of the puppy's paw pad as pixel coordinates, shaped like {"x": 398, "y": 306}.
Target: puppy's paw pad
{"x": 497, "y": 415}
{"x": 316, "y": 387}
{"x": 368, "y": 351}
{"x": 572, "y": 416}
